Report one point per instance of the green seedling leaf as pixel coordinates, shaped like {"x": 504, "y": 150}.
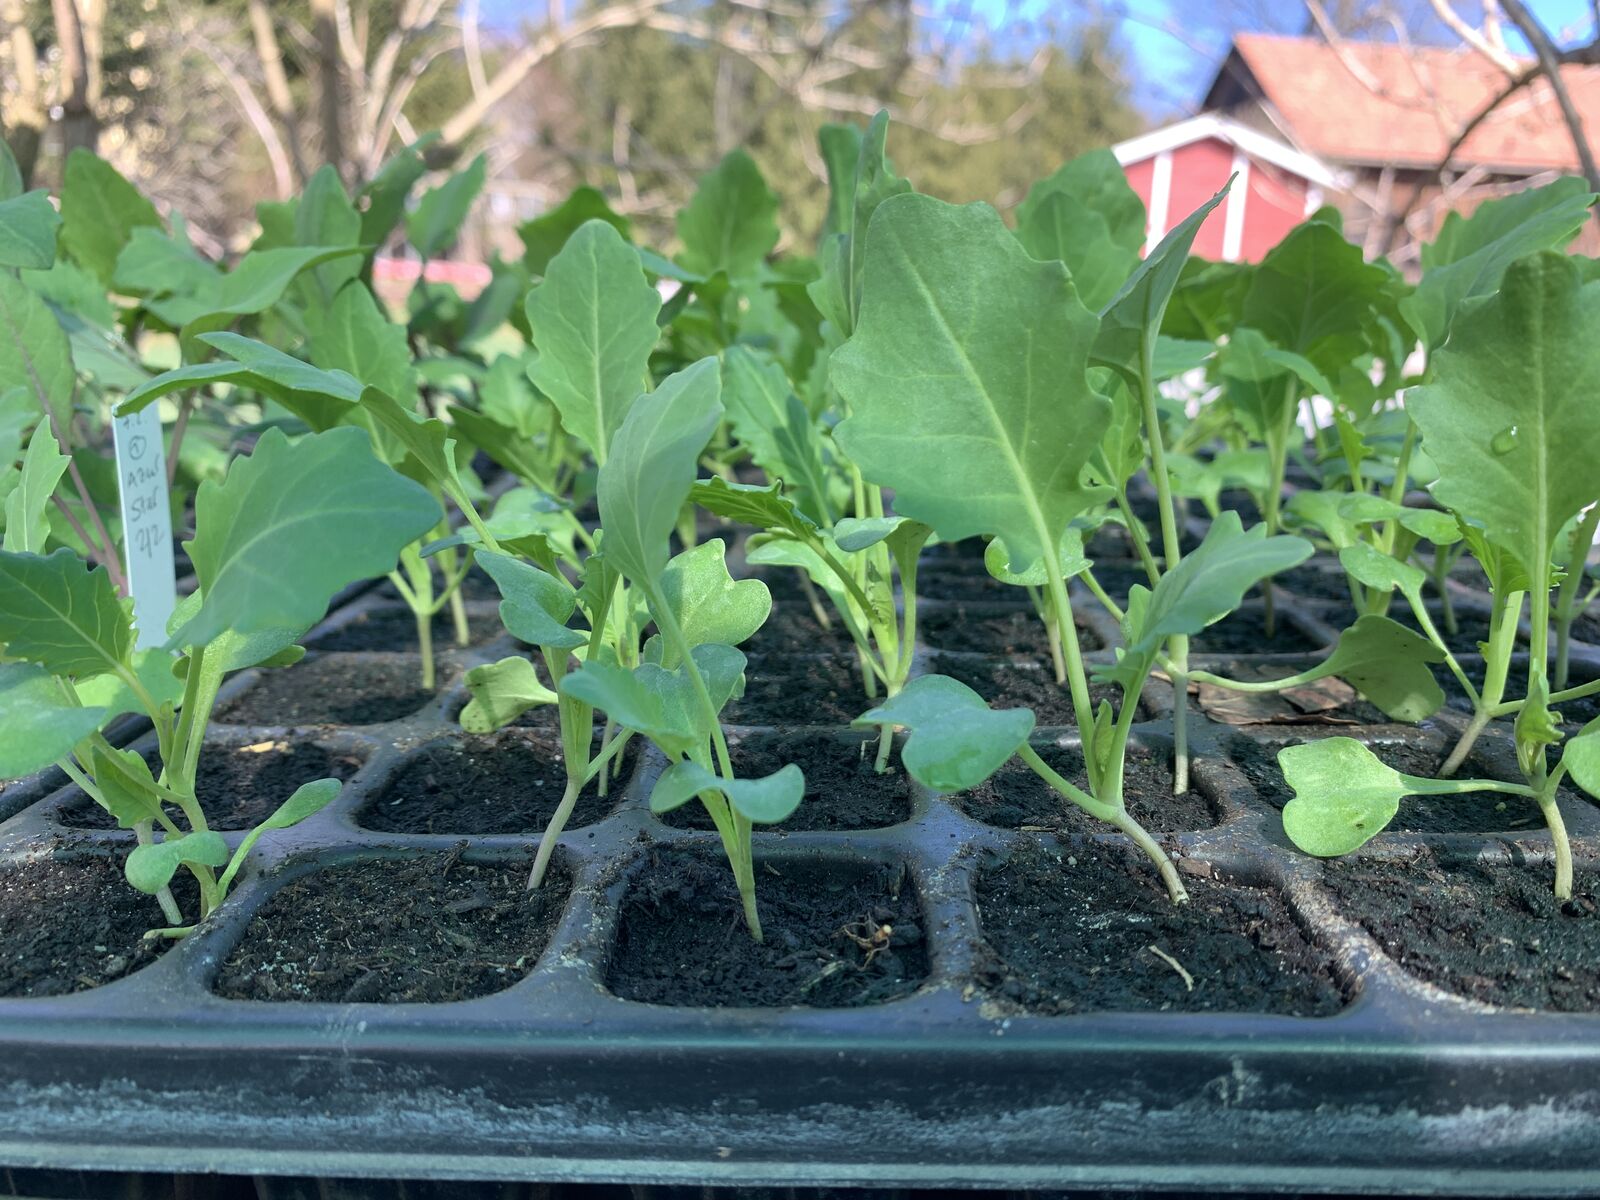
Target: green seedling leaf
{"x": 1388, "y": 664}
{"x": 231, "y": 651}
{"x": 320, "y": 398}
{"x": 436, "y": 222}
{"x": 290, "y": 526}
{"x": 967, "y": 378}
{"x": 307, "y": 800}
{"x": 594, "y": 325}
{"x": 544, "y": 236}
{"x": 1440, "y": 528}
{"x": 28, "y": 505}
{"x": 1344, "y": 795}
{"x": 857, "y": 533}
{"x": 35, "y": 357}
{"x": 57, "y": 612}
{"x": 956, "y": 740}
{"x": 771, "y": 420}
{"x": 1313, "y": 295}
{"x": 534, "y": 606}
{"x": 325, "y": 216}
{"x": 37, "y": 723}
{"x": 127, "y": 786}
{"x": 99, "y": 211}
{"x": 1470, "y": 255}
{"x": 28, "y": 226}
{"x": 1211, "y": 582}
{"x": 1581, "y": 756}
{"x": 709, "y": 604}
{"x": 659, "y": 703}
{"x": 1509, "y": 421}
{"x": 1061, "y": 226}
{"x": 355, "y": 336}
{"x": 765, "y": 508}
{"x": 1372, "y": 568}
{"x": 386, "y": 192}
{"x": 997, "y": 560}
{"x": 501, "y": 692}
{"x": 1097, "y": 181}
{"x": 645, "y": 481}
{"x": 855, "y": 198}
{"x": 764, "y": 801}
{"x": 151, "y": 868}
{"x": 731, "y": 222}
{"x": 1136, "y": 312}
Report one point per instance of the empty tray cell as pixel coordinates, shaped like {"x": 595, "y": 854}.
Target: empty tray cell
{"x": 396, "y": 930}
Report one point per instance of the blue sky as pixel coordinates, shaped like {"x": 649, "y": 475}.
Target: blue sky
{"x": 1170, "y": 73}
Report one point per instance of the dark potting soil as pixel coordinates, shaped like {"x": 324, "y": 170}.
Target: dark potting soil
{"x": 395, "y": 628}
{"x": 782, "y": 582}
{"x": 969, "y": 581}
{"x": 1009, "y": 685}
{"x": 682, "y": 938}
{"x": 1115, "y": 576}
{"x": 799, "y": 690}
{"x": 507, "y": 783}
{"x": 1316, "y": 579}
{"x": 1242, "y": 502}
{"x": 238, "y": 787}
{"x": 1014, "y": 797}
{"x": 397, "y": 931}
{"x": 1492, "y": 932}
{"x": 793, "y": 629}
{"x": 968, "y": 549}
{"x": 1091, "y": 929}
{"x": 334, "y": 690}
{"x": 990, "y": 629}
{"x": 843, "y": 789}
{"x": 1469, "y": 812}
{"x": 1244, "y": 631}
{"x": 1585, "y": 627}
{"x": 72, "y": 924}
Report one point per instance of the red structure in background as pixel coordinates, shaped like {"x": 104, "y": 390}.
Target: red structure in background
{"x": 1177, "y": 169}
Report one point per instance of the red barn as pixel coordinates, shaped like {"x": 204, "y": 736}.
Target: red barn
{"x": 1177, "y": 169}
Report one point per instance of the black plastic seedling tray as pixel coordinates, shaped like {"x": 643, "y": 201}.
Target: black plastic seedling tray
{"x": 1404, "y": 1088}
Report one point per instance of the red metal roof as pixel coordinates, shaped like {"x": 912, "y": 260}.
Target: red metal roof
{"x": 1421, "y": 101}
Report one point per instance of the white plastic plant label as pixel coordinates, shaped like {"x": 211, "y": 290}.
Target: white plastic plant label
{"x": 146, "y": 522}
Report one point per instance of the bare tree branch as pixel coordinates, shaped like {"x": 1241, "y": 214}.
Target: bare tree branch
{"x": 516, "y": 69}
{"x": 277, "y": 82}
{"x": 1550, "y": 65}
{"x": 1477, "y": 40}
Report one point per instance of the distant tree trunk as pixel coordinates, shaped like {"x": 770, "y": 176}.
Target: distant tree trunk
{"x": 277, "y": 81}
{"x": 26, "y": 129}
{"x": 329, "y": 83}
{"x": 79, "y": 125}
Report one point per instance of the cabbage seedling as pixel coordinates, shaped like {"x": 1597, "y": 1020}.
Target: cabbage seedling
{"x": 691, "y": 668}
{"x": 289, "y": 526}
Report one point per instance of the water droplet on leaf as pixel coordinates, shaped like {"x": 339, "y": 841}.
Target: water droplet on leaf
{"x": 1505, "y": 441}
